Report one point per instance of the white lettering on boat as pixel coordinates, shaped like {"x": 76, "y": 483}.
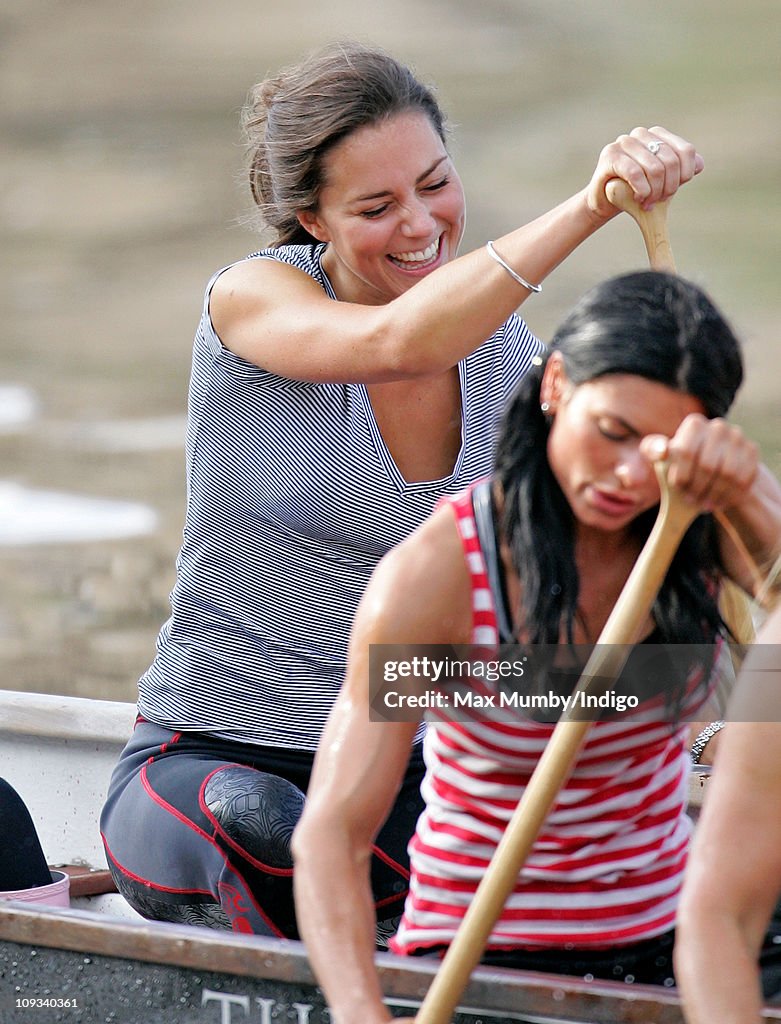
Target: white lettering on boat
{"x": 265, "y": 1015}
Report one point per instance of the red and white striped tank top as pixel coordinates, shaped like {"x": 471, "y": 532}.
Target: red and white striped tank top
{"x": 607, "y": 867}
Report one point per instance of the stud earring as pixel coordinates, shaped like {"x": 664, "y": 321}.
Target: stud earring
{"x": 545, "y": 407}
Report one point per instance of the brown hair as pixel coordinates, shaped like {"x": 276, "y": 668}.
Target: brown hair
{"x": 292, "y": 119}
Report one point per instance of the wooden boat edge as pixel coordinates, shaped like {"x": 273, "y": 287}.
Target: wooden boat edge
{"x": 501, "y": 992}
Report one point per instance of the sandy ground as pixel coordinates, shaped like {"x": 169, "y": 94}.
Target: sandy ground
{"x": 121, "y": 191}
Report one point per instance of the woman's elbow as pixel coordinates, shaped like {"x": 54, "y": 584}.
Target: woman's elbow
{"x": 305, "y": 838}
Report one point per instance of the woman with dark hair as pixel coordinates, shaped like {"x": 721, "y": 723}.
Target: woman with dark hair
{"x": 643, "y": 326}
{"x": 644, "y": 368}
{"x": 343, "y": 379}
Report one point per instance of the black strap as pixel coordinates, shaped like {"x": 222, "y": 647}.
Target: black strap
{"x": 482, "y": 506}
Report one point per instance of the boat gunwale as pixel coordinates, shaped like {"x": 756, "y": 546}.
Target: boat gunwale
{"x": 504, "y": 992}
{"x": 60, "y": 717}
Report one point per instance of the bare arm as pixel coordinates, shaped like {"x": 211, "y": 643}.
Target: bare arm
{"x": 757, "y": 522}
{"x": 718, "y": 466}
{"x": 359, "y": 768}
{"x": 277, "y": 317}
{"x": 734, "y": 872}
{"x": 414, "y": 597}
{"x": 732, "y": 881}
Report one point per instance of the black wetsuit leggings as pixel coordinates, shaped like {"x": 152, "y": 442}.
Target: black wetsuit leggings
{"x": 197, "y": 830}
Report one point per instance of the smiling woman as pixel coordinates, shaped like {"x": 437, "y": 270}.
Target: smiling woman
{"x": 343, "y": 379}
{"x": 410, "y": 220}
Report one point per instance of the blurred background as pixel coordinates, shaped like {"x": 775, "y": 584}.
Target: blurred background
{"x": 122, "y": 189}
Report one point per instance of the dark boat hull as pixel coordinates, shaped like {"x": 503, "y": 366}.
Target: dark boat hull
{"x": 77, "y": 966}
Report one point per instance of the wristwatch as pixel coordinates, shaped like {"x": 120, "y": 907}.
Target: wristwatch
{"x": 699, "y": 744}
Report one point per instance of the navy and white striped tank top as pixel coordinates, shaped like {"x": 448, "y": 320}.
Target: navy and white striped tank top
{"x": 292, "y": 499}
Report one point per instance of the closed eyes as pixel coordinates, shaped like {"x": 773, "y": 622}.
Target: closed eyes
{"x": 377, "y": 211}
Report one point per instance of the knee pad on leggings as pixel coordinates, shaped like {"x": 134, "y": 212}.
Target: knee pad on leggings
{"x": 257, "y": 811}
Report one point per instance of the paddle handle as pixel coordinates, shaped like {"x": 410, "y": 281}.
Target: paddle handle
{"x": 734, "y": 604}
{"x": 622, "y": 628}
{"x": 675, "y": 516}
{"x": 652, "y": 223}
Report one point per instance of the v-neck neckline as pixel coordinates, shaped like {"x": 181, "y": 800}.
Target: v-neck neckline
{"x": 386, "y": 458}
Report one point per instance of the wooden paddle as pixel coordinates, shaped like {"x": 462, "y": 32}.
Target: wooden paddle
{"x": 733, "y": 602}
{"x": 623, "y": 628}
{"x": 652, "y": 224}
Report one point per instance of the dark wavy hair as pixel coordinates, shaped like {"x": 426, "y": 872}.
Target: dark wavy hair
{"x": 293, "y": 119}
{"x": 656, "y": 326}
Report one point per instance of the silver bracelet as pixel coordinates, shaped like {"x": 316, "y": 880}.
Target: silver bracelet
{"x": 700, "y": 743}
{"x": 516, "y": 277}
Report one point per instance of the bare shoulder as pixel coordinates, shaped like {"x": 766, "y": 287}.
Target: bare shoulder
{"x": 279, "y": 317}
{"x": 251, "y": 286}
{"x": 420, "y": 591}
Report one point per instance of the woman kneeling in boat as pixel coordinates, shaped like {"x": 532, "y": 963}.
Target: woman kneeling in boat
{"x": 343, "y": 379}
{"x": 642, "y": 369}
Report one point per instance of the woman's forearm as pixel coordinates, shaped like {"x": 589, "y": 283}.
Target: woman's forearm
{"x": 480, "y": 294}
{"x": 716, "y": 972}
{"x": 757, "y": 523}
{"x": 441, "y": 319}
{"x": 337, "y": 922}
